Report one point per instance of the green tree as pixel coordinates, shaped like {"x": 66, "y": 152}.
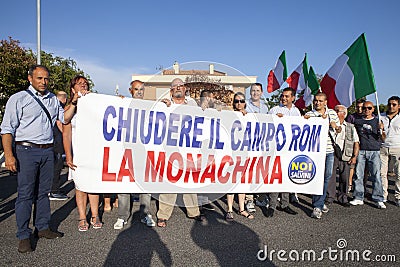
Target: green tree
{"x": 61, "y": 72}
{"x": 274, "y": 99}
{"x": 15, "y": 62}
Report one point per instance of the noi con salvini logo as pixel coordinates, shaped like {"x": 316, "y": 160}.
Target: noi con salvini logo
{"x": 301, "y": 169}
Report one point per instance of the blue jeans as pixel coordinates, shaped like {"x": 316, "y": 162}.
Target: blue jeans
{"x": 318, "y": 200}
{"x": 374, "y": 164}
{"x": 35, "y": 176}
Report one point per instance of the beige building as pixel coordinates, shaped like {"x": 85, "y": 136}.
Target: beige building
{"x": 158, "y": 86}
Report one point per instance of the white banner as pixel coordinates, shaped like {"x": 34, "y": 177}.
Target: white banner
{"x": 125, "y": 145}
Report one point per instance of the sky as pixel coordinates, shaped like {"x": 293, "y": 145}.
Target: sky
{"x": 111, "y": 40}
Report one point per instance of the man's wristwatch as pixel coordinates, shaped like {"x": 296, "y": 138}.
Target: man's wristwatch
{"x": 74, "y": 103}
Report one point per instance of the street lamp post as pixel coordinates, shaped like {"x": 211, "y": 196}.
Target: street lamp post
{"x": 38, "y": 31}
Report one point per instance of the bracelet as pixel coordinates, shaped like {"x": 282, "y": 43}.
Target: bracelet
{"x": 74, "y": 103}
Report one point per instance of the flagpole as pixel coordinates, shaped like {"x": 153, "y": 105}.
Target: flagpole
{"x": 377, "y": 106}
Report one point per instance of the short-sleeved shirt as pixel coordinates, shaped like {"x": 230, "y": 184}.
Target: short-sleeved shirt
{"x": 188, "y": 101}
{"x": 293, "y": 111}
{"x": 368, "y": 132}
{"x": 392, "y": 130}
{"x": 332, "y": 116}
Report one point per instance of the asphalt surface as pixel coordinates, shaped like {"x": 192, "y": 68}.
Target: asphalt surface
{"x": 336, "y": 239}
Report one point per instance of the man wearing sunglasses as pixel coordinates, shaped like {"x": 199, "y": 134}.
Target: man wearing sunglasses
{"x": 391, "y": 146}
{"x": 369, "y": 131}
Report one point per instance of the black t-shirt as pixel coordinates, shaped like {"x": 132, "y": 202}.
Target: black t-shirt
{"x": 354, "y": 116}
{"x": 368, "y": 132}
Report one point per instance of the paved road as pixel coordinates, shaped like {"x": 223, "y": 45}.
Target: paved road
{"x": 341, "y": 232}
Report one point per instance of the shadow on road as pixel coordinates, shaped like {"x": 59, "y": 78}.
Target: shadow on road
{"x": 8, "y": 185}
{"x": 234, "y": 245}
{"x": 136, "y": 245}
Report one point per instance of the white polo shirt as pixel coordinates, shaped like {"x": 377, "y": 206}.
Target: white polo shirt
{"x": 392, "y": 130}
{"x": 294, "y": 111}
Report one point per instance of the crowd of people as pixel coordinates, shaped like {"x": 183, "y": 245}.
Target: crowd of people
{"x": 38, "y": 128}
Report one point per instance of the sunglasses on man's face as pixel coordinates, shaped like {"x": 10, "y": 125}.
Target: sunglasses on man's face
{"x": 239, "y": 101}
{"x": 392, "y": 104}
{"x": 369, "y": 108}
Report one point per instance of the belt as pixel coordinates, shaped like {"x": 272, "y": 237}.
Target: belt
{"x": 24, "y": 143}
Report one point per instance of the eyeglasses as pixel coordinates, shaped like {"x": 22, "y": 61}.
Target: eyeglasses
{"x": 369, "y": 108}
{"x": 392, "y": 104}
{"x": 235, "y": 101}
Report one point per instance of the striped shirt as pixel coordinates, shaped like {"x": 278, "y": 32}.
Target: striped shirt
{"x": 332, "y": 116}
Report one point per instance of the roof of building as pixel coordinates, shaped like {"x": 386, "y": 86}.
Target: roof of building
{"x": 191, "y": 72}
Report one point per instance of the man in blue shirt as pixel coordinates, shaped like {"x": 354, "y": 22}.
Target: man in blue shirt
{"x": 255, "y": 104}
{"x": 27, "y": 123}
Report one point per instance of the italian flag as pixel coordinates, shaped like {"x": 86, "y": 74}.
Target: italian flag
{"x": 351, "y": 77}
{"x": 298, "y": 79}
{"x": 312, "y": 87}
{"x": 278, "y": 75}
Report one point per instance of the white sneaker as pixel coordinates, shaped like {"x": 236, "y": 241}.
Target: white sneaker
{"x": 119, "y": 224}
{"x": 325, "y": 209}
{"x": 250, "y": 206}
{"x": 148, "y": 220}
{"x": 380, "y": 205}
{"x": 356, "y": 202}
{"x": 316, "y": 214}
